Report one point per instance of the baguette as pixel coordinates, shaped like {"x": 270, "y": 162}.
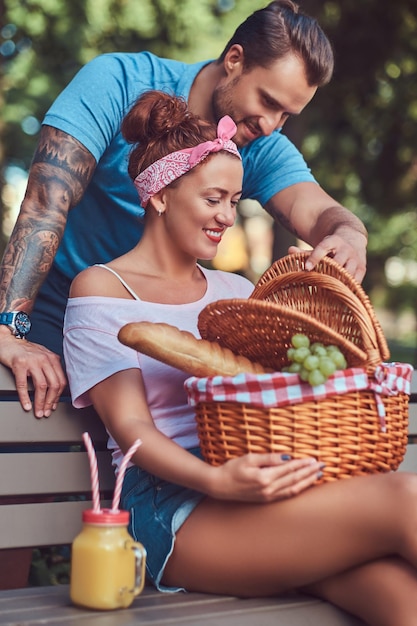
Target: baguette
{"x": 180, "y": 349}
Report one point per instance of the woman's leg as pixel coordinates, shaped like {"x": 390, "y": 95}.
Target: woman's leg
{"x": 382, "y": 592}
{"x": 253, "y": 550}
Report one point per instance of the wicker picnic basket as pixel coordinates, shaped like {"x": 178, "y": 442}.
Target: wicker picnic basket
{"x": 354, "y": 431}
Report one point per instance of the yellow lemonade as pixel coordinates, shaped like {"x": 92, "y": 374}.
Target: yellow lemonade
{"x": 107, "y": 566}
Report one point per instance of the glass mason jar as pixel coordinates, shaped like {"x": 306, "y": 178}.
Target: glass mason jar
{"x": 107, "y": 565}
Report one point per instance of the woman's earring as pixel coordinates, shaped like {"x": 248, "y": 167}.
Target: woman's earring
{"x": 159, "y": 213}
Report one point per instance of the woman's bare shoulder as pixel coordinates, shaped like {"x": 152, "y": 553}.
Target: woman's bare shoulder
{"x": 93, "y": 281}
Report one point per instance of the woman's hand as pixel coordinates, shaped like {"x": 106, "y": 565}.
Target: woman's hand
{"x": 263, "y": 477}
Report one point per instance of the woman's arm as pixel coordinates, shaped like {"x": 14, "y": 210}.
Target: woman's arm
{"x": 121, "y": 403}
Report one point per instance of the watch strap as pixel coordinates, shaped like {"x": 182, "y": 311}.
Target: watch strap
{"x": 6, "y": 318}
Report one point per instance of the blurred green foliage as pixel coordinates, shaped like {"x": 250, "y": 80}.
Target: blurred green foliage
{"x": 361, "y": 133}
{"x": 358, "y": 135}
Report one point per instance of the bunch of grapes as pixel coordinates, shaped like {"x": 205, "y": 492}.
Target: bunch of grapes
{"x": 315, "y": 362}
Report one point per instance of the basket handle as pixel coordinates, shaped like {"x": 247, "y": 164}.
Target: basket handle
{"x": 327, "y": 265}
{"x": 338, "y": 290}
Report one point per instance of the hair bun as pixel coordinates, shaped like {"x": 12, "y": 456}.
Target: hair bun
{"x": 166, "y": 113}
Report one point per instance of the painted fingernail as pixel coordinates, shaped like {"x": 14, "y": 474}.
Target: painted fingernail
{"x": 286, "y": 457}
{"x": 319, "y": 475}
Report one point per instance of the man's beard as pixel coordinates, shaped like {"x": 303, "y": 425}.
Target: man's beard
{"x": 222, "y": 102}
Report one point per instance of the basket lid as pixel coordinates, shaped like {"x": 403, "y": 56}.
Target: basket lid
{"x": 326, "y": 267}
{"x": 261, "y": 331}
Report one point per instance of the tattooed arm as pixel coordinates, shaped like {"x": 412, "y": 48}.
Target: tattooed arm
{"x": 59, "y": 174}
{"x": 308, "y": 212}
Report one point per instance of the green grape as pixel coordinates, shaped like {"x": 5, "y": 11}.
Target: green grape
{"x": 311, "y": 362}
{"x": 332, "y": 348}
{"x": 315, "y": 345}
{"x": 338, "y": 359}
{"x": 301, "y": 353}
{"x": 327, "y": 366}
{"x": 290, "y": 354}
{"x": 304, "y": 374}
{"x": 318, "y": 349}
{"x": 316, "y": 378}
{"x": 300, "y": 341}
{"x": 294, "y": 368}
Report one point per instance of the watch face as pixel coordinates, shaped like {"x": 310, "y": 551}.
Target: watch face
{"x": 22, "y": 323}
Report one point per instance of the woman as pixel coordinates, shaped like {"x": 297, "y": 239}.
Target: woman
{"x": 255, "y": 525}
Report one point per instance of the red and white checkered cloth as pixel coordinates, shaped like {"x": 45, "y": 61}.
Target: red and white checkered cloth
{"x": 281, "y": 388}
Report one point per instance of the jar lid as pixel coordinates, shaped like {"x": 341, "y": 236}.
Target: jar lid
{"x": 106, "y": 516}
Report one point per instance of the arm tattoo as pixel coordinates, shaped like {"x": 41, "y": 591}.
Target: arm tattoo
{"x": 62, "y": 159}
{"x": 60, "y": 172}
{"x": 26, "y": 262}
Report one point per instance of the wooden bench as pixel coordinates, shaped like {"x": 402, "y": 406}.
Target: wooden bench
{"x": 45, "y": 470}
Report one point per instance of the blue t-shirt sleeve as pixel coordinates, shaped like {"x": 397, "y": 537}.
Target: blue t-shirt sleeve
{"x": 270, "y": 165}
{"x": 94, "y": 103}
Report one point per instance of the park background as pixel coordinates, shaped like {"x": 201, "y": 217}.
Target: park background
{"x": 358, "y": 135}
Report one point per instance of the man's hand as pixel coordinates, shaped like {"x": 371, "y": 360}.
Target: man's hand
{"x": 308, "y": 212}
{"x": 31, "y": 360}
{"x": 351, "y": 257}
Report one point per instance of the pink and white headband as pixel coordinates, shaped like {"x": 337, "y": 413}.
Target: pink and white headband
{"x": 161, "y": 173}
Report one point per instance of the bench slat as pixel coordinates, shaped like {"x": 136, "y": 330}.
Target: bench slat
{"x": 66, "y": 424}
{"x": 410, "y": 460}
{"x": 52, "y": 606}
{"x": 412, "y": 418}
{"x": 30, "y": 473}
{"x": 414, "y": 383}
{"x": 7, "y": 381}
{"x": 41, "y": 524}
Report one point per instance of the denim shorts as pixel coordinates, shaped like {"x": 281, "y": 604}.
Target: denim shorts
{"x": 158, "y": 509}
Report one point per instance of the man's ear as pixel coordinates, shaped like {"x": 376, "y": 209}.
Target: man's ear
{"x": 234, "y": 60}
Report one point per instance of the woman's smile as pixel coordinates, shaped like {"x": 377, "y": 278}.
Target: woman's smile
{"x": 214, "y": 234}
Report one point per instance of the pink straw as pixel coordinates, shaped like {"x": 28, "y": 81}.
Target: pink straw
{"x": 93, "y": 472}
{"x": 120, "y": 475}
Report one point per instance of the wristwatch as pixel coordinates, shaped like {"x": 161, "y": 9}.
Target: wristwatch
{"x": 18, "y": 322}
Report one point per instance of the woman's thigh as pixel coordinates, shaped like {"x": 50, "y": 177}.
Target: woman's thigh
{"x": 259, "y": 549}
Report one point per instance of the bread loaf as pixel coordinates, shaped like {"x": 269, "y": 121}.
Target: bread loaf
{"x": 180, "y": 349}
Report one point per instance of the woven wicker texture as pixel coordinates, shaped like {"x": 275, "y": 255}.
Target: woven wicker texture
{"x": 323, "y": 297}
{"x": 262, "y": 331}
{"x": 342, "y": 431}
{"x": 310, "y": 298}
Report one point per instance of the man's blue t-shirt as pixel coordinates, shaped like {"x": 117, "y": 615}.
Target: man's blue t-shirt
{"x": 107, "y": 221}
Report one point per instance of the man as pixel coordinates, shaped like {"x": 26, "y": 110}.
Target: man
{"x": 81, "y": 208}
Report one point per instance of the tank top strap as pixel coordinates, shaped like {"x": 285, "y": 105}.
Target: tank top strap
{"x": 124, "y": 283}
